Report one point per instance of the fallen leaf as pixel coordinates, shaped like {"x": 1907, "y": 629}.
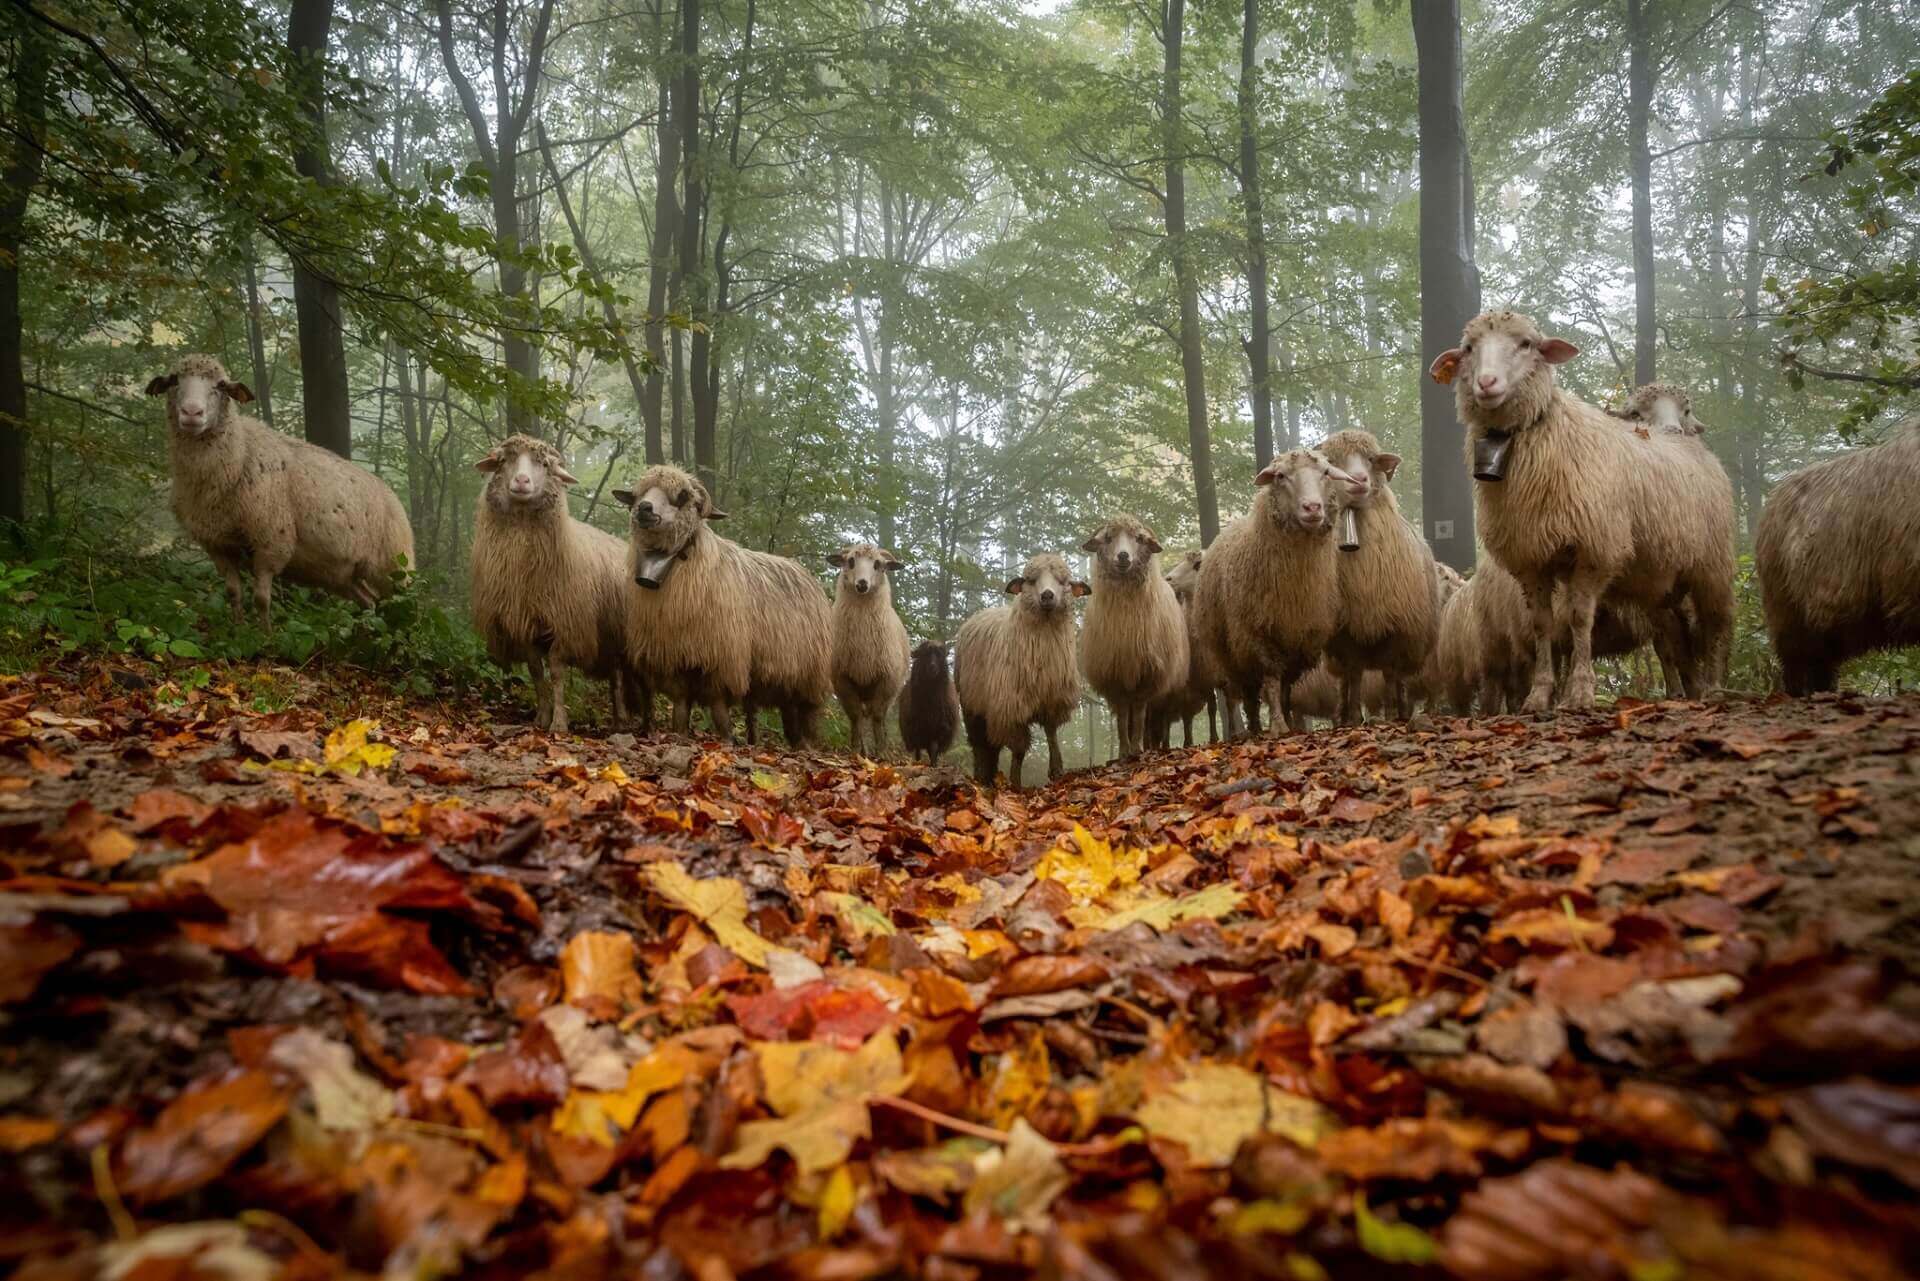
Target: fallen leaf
{"x": 718, "y": 903}
{"x": 1019, "y": 1183}
{"x": 198, "y": 1136}
{"x": 820, "y": 1095}
{"x": 344, "y": 1098}
{"x": 1217, "y": 1106}
{"x": 600, "y": 965}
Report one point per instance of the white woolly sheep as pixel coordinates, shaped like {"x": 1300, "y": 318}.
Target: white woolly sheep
{"x": 1133, "y": 641}
{"x": 929, "y": 707}
{"x": 1389, "y": 595}
{"x": 1269, "y": 598}
{"x": 1838, "y": 552}
{"x": 717, "y": 623}
{"x": 1196, "y": 694}
{"x": 1014, "y": 667}
{"x": 869, "y": 643}
{"x": 268, "y": 506}
{"x": 1581, "y": 502}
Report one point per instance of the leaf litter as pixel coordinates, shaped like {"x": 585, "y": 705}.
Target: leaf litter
{"x": 370, "y": 986}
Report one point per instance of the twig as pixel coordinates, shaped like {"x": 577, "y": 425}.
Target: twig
{"x": 123, "y": 1224}
{"x": 1437, "y": 966}
{"x": 978, "y": 1131}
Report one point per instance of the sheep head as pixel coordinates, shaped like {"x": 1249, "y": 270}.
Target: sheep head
{"x": 668, "y": 507}
{"x": 864, "y": 569}
{"x": 1502, "y": 371}
{"x": 1122, "y": 549}
{"x": 1184, "y": 575}
{"x": 1297, "y": 490}
{"x": 930, "y": 660}
{"x": 525, "y": 474}
{"x": 198, "y": 392}
{"x": 1045, "y": 587}
{"x": 1665, "y": 408}
{"x": 1359, "y": 455}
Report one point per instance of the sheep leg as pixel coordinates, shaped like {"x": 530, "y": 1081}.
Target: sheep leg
{"x": 1286, "y": 720}
{"x": 1250, "y": 711}
{"x": 1349, "y": 698}
{"x": 1056, "y": 763}
{"x": 683, "y": 715}
{"x": 557, "y": 677}
{"x": 617, "y": 693}
{"x": 1713, "y": 629}
{"x": 263, "y": 597}
{"x": 542, "y": 692}
{"x": 720, "y": 712}
{"x": 985, "y": 756}
{"x": 1213, "y": 728}
{"x": 235, "y": 600}
{"x": 1402, "y": 698}
{"x": 1583, "y": 598}
{"x": 1539, "y": 672}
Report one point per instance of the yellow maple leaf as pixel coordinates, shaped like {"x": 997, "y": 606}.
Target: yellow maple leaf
{"x": 1163, "y": 914}
{"x": 719, "y": 903}
{"x": 1093, "y": 868}
{"x": 347, "y": 752}
{"x": 1218, "y": 1106}
{"x": 601, "y": 963}
{"x": 602, "y": 1115}
{"x": 819, "y": 1093}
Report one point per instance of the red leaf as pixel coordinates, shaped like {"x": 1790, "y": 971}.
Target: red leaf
{"x": 27, "y": 952}
{"x": 816, "y": 1011}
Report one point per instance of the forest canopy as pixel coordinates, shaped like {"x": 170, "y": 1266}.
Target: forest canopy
{"x": 959, "y": 278}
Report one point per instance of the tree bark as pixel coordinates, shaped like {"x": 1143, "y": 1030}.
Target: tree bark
{"x": 665, "y": 236}
{"x": 1259, "y": 338}
{"x": 1640, "y": 78}
{"x": 257, "y": 340}
{"x": 886, "y": 405}
{"x": 496, "y": 136}
{"x": 325, "y": 408}
{"x": 29, "y": 110}
{"x": 693, "y": 278}
{"x": 1449, "y": 281}
{"x": 1192, "y": 357}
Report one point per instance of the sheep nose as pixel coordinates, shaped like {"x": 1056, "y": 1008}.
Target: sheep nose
{"x": 1046, "y": 597}
{"x": 644, "y": 515}
{"x": 1489, "y": 381}
{"x": 1311, "y": 510}
{"x": 1123, "y": 559}
{"x": 862, "y": 586}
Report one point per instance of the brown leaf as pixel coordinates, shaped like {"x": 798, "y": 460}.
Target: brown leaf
{"x": 1555, "y": 1219}
{"x": 28, "y": 951}
{"x": 198, "y": 1136}
{"x": 1033, "y": 975}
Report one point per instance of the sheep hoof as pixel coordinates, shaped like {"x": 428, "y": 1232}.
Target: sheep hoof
{"x": 1540, "y": 699}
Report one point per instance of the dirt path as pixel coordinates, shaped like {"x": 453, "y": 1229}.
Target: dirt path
{"x": 1612, "y": 994}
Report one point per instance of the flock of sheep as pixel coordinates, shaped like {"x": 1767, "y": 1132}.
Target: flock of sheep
{"x": 1605, "y": 531}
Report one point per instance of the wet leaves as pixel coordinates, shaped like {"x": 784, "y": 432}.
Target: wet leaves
{"x": 1608, "y": 996}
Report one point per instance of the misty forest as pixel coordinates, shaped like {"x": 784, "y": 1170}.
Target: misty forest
{"x": 527, "y": 527}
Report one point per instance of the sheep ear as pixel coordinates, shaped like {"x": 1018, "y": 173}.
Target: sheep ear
{"x": 564, "y": 476}
{"x": 837, "y": 559}
{"x": 1081, "y": 589}
{"x": 624, "y": 497}
{"x": 1092, "y": 546}
{"x": 890, "y": 562}
{"x": 1151, "y": 543}
{"x": 1694, "y": 425}
{"x": 238, "y": 392}
{"x": 1267, "y": 475}
{"x": 1388, "y": 464}
{"x": 1557, "y": 351}
{"x": 162, "y": 384}
{"x": 710, "y": 512}
{"x": 1444, "y": 365}
{"x": 490, "y": 463}
{"x": 1015, "y": 586}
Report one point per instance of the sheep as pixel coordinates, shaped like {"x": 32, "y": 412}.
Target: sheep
{"x": 869, "y": 643}
{"x": 269, "y": 506}
{"x": 1268, "y": 600}
{"x": 1014, "y": 666}
{"x": 717, "y": 623}
{"x": 1428, "y": 688}
{"x": 1133, "y": 642}
{"x": 929, "y": 708}
{"x": 1563, "y": 495}
{"x": 1663, "y": 406}
{"x": 549, "y": 590}
{"x": 1316, "y": 696}
{"x": 1453, "y": 673}
{"x": 1196, "y": 695}
{"x": 1389, "y": 594}
{"x": 1838, "y": 552}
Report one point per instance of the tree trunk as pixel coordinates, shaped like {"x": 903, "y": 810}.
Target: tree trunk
{"x": 1192, "y": 358}
{"x": 325, "y": 408}
{"x": 29, "y": 111}
{"x": 257, "y": 340}
{"x": 1640, "y": 76}
{"x": 1259, "y": 339}
{"x": 886, "y": 405}
{"x": 665, "y": 236}
{"x": 1750, "y": 433}
{"x": 693, "y": 278}
{"x": 1449, "y": 281}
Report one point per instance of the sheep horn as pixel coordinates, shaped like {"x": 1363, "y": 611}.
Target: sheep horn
{"x": 1490, "y": 453}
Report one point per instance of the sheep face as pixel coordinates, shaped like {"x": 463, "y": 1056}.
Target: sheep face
{"x": 1184, "y": 577}
{"x": 1450, "y": 580}
{"x": 1121, "y": 549}
{"x": 524, "y": 474}
{"x": 863, "y": 568}
{"x": 198, "y": 392}
{"x": 1665, "y": 408}
{"x": 1502, "y": 369}
{"x": 1045, "y": 587}
{"x": 930, "y": 660}
{"x": 668, "y": 508}
{"x": 1370, "y": 468}
{"x": 1299, "y": 489}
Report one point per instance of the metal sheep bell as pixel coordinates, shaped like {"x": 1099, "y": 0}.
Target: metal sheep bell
{"x": 1490, "y": 454}
{"x": 1349, "y": 530}
{"x": 654, "y": 568}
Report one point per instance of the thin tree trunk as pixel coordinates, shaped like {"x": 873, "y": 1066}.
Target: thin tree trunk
{"x": 1259, "y": 339}
{"x": 693, "y": 244}
{"x": 1640, "y": 77}
{"x": 326, "y": 412}
{"x": 257, "y": 340}
{"x": 1449, "y": 281}
{"x": 886, "y": 405}
{"x": 29, "y": 109}
{"x": 1192, "y": 358}
{"x": 665, "y": 236}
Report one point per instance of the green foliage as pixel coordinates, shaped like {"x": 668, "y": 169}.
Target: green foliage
{"x": 1868, "y": 313}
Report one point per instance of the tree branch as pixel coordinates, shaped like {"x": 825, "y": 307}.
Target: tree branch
{"x": 469, "y": 101}
{"x": 1909, "y": 382}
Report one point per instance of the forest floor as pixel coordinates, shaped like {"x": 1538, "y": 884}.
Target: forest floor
{"x": 1615, "y": 994}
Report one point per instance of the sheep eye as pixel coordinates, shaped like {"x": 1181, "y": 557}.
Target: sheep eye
{"x": 1467, "y": 350}
{"x": 1525, "y": 343}
{"x": 680, "y": 499}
